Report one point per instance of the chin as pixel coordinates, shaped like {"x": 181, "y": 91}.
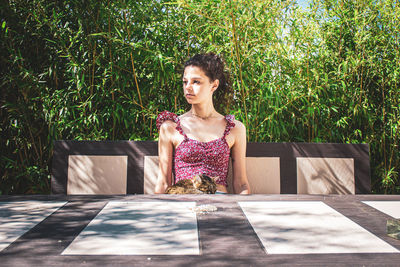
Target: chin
{"x": 190, "y": 101}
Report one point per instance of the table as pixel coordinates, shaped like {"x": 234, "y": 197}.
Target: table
{"x": 253, "y": 230}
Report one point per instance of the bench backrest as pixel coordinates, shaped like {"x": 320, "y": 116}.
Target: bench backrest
{"x": 130, "y": 167}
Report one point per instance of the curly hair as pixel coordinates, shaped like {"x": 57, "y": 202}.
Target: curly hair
{"x": 214, "y": 68}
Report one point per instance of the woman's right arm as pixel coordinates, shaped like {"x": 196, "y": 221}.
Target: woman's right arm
{"x": 165, "y": 150}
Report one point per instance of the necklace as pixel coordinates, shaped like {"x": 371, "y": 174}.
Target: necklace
{"x": 203, "y": 118}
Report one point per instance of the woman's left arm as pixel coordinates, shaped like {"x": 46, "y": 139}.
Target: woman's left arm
{"x": 240, "y": 182}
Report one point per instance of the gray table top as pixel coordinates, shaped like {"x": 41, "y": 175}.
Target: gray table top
{"x": 226, "y": 237}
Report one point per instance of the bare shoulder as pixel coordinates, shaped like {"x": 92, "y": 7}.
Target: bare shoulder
{"x": 239, "y": 128}
{"x": 237, "y": 135}
{"x": 167, "y": 127}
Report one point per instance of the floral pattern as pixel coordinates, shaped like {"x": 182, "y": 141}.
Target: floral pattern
{"x": 193, "y": 157}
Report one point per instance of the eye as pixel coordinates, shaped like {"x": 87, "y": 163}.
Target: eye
{"x": 184, "y": 82}
{"x": 196, "y": 82}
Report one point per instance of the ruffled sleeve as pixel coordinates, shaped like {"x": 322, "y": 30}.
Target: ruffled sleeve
{"x": 166, "y": 115}
{"x": 229, "y": 124}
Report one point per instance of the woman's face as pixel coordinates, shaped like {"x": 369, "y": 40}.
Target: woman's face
{"x": 197, "y": 86}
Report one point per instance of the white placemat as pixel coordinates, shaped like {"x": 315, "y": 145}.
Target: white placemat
{"x": 18, "y": 217}
{"x": 140, "y": 228}
{"x": 305, "y": 227}
{"x": 391, "y": 208}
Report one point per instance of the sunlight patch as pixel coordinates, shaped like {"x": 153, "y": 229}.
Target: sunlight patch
{"x": 18, "y": 217}
{"x": 391, "y": 208}
{"x": 140, "y": 228}
{"x": 304, "y": 227}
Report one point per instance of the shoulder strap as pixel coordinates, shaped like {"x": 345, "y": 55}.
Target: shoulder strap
{"x": 229, "y": 124}
{"x": 179, "y": 127}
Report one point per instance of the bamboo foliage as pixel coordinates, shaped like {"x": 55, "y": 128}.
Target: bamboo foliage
{"x": 102, "y": 70}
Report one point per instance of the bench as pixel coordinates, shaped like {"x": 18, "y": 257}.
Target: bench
{"x": 130, "y": 167}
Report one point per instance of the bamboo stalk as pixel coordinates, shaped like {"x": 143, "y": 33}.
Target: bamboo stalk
{"x": 137, "y": 88}
{"x": 94, "y": 57}
{"x": 188, "y": 43}
{"x": 384, "y": 131}
{"x": 112, "y": 76}
{"x": 309, "y": 93}
{"x": 33, "y": 140}
{"x": 240, "y": 69}
{"x": 136, "y": 82}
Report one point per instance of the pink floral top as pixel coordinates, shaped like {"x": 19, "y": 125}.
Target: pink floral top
{"x": 193, "y": 157}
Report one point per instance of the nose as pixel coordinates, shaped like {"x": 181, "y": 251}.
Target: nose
{"x": 188, "y": 86}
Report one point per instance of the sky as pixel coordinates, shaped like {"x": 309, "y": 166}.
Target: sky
{"x": 303, "y": 3}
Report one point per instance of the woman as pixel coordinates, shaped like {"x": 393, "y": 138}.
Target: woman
{"x": 200, "y": 141}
